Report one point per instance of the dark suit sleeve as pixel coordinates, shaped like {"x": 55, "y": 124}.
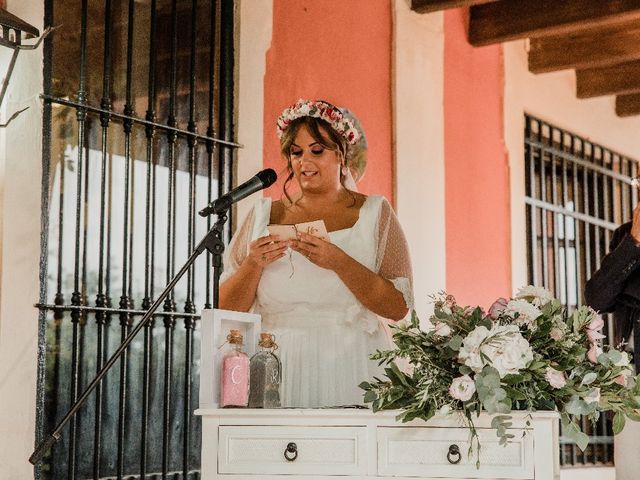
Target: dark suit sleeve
{"x": 607, "y": 283}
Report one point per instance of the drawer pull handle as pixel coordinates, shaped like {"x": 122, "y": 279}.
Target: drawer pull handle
{"x": 453, "y": 455}
{"x": 291, "y": 453}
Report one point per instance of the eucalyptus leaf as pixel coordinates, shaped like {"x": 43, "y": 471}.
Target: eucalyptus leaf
{"x": 455, "y": 343}
{"x": 571, "y": 430}
{"x": 614, "y": 355}
{"x": 589, "y": 378}
{"x": 582, "y": 440}
{"x": 618, "y": 423}
{"x": 604, "y": 360}
{"x": 576, "y": 406}
{"x": 370, "y": 397}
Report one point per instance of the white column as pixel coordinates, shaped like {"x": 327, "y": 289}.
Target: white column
{"x": 418, "y": 80}
{"x": 20, "y": 181}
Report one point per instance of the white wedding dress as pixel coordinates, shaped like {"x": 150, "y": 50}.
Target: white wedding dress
{"x": 325, "y": 335}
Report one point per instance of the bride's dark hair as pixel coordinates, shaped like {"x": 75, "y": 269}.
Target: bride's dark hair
{"x": 316, "y": 127}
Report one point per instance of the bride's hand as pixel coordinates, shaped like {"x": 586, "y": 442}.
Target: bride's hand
{"x": 266, "y": 250}
{"x": 322, "y": 253}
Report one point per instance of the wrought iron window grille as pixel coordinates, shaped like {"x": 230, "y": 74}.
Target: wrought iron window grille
{"x": 577, "y": 193}
{"x": 119, "y": 199}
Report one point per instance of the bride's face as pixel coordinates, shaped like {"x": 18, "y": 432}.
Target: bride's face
{"x": 316, "y": 168}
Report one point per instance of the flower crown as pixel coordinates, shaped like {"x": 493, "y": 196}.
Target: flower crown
{"x": 319, "y": 109}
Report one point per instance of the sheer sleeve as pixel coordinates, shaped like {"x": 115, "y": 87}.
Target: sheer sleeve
{"x": 238, "y": 248}
{"x": 392, "y": 256}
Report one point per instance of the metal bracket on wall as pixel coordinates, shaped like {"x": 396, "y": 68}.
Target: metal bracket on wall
{"x": 17, "y": 47}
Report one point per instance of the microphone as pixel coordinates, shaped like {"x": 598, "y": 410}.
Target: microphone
{"x": 258, "y": 182}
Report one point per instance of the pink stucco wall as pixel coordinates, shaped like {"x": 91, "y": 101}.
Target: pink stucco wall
{"x": 477, "y": 194}
{"x": 339, "y": 52}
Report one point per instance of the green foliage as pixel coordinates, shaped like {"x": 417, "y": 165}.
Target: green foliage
{"x": 490, "y": 365}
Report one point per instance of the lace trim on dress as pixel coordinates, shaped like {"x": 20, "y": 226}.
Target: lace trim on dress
{"x": 403, "y": 285}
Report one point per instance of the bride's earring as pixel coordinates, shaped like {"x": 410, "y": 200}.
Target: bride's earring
{"x": 344, "y": 171}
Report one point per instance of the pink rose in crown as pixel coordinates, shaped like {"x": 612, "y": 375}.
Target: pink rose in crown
{"x": 498, "y": 307}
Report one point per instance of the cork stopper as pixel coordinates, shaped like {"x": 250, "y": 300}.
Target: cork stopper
{"x": 267, "y": 340}
{"x": 234, "y": 337}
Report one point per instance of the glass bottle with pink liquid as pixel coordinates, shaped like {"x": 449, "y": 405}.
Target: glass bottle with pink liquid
{"x": 234, "y": 380}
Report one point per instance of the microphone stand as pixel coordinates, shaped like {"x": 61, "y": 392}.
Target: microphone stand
{"x": 212, "y": 242}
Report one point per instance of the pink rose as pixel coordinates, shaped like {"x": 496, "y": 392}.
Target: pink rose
{"x": 555, "y": 378}
{"x": 593, "y": 353}
{"x": 596, "y": 323}
{"x": 450, "y": 301}
{"x": 623, "y": 378}
{"x": 556, "y": 333}
{"x": 594, "y": 335}
{"x": 498, "y": 307}
{"x": 462, "y": 388}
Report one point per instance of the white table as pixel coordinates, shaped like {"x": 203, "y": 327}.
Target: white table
{"x": 324, "y": 444}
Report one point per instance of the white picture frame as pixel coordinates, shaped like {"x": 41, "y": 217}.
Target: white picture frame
{"x": 214, "y": 328}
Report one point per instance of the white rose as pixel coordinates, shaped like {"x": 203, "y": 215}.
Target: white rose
{"x": 442, "y": 329}
{"x": 523, "y": 312}
{"x": 593, "y": 396}
{"x": 462, "y": 388}
{"x": 512, "y": 353}
{"x": 555, "y": 377}
{"x": 507, "y": 350}
{"x": 427, "y": 325}
{"x": 538, "y": 295}
{"x": 556, "y": 333}
{"x": 470, "y": 351}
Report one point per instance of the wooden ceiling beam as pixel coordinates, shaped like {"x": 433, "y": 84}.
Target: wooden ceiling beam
{"x": 628, "y": 105}
{"x": 429, "y": 6}
{"x": 514, "y": 19}
{"x": 591, "y": 48}
{"x": 617, "y": 79}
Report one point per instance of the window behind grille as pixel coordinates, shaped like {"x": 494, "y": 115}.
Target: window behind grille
{"x": 138, "y": 135}
{"x": 577, "y": 193}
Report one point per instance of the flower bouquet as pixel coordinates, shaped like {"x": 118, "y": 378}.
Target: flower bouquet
{"x": 527, "y": 353}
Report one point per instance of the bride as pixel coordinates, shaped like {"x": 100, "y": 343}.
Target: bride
{"x": 322, "y": 298}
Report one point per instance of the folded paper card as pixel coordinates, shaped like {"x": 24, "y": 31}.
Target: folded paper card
{"x": 316, "y": 228}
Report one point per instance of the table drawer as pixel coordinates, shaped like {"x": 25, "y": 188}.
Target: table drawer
{"x": 260, "y": 450}
{"x": 422, "y": 452}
